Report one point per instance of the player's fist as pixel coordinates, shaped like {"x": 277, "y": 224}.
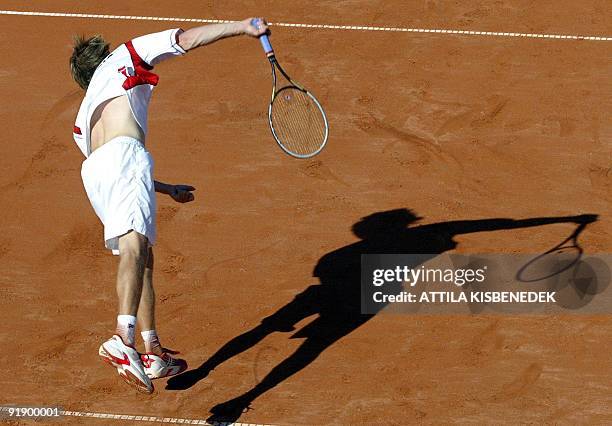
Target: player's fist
{"x": 585, "y": 218}
{"x": 182, "y": 193}
{"x": 255, "y": 26}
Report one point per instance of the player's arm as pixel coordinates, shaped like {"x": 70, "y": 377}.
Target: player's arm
{"x": 179, "y": 193}
{"x": 206, "y": 34}
{"x": 484, "y": 225}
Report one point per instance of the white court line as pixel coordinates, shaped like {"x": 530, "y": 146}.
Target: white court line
{"x": 149, "y": 419}
{"x": 316, "y": 26}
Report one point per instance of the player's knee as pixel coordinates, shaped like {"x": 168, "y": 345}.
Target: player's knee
{"x": 134, "y": 246}
{"x": 134, "y": 255}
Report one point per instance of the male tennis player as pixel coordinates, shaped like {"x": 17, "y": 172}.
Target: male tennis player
{"x": 110, "y": 130}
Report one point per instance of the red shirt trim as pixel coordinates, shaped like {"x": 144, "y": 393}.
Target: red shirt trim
{"x": 136, "y": 59}
{"x": 142, "y": 70}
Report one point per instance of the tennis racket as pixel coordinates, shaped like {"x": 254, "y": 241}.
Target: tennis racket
{"x": 558, "y": 259}
{"x": 296, "y": 117}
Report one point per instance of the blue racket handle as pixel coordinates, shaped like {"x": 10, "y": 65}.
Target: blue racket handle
{"x": 264, "y": 39}
{"x": 265, "y": 43}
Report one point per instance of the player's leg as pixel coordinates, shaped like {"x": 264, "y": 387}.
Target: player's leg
{"x": 157, "y": 361}
{"x": 133, "y": 253}
{"x": 146, "y": 310}
{"x": 119, "y": 350}
{"x": 146, "y": 307}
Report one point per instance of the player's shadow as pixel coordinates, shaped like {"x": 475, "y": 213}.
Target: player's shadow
{"x": 336, "y": 300}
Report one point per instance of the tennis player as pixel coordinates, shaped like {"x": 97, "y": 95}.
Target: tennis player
{"x": 117, "y": 174}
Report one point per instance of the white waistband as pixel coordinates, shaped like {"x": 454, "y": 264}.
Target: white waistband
{"x": 118, "y": 140}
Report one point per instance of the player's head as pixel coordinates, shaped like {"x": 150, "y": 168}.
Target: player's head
{"x": 86, "y": 56}
{"x": 384, "y": 224}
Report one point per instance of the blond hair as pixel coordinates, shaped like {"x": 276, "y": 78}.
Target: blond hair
{"x": 87, "y": 54}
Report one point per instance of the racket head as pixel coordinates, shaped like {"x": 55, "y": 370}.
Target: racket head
{"x": 549, "y": 264}
{"x": 298, "y": 122}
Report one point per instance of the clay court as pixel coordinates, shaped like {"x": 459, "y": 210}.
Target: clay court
{"x": 450, "y": 127}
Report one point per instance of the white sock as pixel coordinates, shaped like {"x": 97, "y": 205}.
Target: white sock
{"x": 151, "y": 342}
{"x": 126, "y": 326}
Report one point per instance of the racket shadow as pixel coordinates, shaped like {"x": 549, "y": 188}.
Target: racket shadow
{"x": 564, "y": 256}
{"x": 335, "y": 303}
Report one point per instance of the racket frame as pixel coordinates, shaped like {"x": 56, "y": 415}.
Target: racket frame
{"x": 274, "y": 64}
{"x": 520, "y": 275}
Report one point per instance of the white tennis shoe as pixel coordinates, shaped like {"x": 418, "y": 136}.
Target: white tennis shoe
{"x": 157, "y": 367}
{"x": 127, "y": 362}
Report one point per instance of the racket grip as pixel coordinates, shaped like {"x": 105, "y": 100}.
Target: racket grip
{"x": 265, "y": 43}
{"x": 264, "y": 40}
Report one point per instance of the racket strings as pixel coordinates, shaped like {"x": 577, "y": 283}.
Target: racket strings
{"x": 292, "y": 128}
{"x": 291, "y": 112}
{"x": 298, "y": 122}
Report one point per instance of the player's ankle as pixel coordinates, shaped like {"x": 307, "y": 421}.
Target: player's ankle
{"x": 126, "y": 324}
{"x": 156, "y": 350}
{"x": 151, "y": 342}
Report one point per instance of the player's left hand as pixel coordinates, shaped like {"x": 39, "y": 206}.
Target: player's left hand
{"x": 182, "y": 193}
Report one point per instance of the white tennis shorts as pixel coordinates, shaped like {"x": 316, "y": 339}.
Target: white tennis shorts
{"x": 118, "y": 179}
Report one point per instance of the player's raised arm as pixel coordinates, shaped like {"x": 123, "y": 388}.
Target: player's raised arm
{"x": 206, "y": 34}
{"x": 485, "y": 225}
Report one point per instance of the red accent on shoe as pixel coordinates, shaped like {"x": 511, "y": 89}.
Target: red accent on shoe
{"x": 124, "y": 361}
{"x": 146, "y": 360}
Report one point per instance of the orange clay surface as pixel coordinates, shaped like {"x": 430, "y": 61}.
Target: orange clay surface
{"x": 450, "y": 127}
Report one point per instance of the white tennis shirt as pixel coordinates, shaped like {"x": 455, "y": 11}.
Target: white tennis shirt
{"x": 126, "y": 71}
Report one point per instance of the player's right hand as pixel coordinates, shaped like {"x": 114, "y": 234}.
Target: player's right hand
{"x": 255, "y": 27}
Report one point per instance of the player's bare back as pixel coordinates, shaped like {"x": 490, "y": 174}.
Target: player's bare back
{"x": 111, "y": 119}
